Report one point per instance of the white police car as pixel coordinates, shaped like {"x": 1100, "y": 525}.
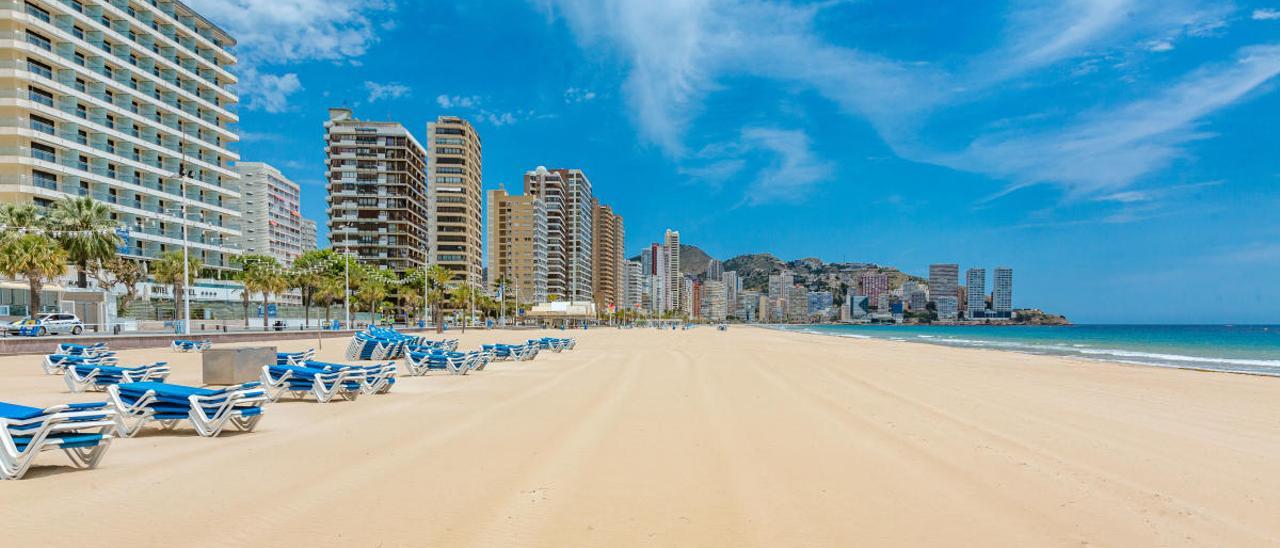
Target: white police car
{"x": 50, "y": 323}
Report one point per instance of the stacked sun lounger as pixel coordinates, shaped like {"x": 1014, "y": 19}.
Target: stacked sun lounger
{"x": 294, "y": 358}
{"x": 300, "y": 381}
{"x": 56, "y": 364}
{"x": 181, "y": 345}
{"x": 96, "y": 349}
{"x": 421, "y": 362}
{"x": 515, "y": 352}
{"x": 82, "y": 430}
{"x": 381, "y": 343}
{"x": 374, "y": 379}
{"x": 553, "y": 344}
{"x": 84, "y": 376}
{"x": 208, "y": 410}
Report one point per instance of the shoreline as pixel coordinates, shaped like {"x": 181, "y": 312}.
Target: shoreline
{"x": 993, "y": 346}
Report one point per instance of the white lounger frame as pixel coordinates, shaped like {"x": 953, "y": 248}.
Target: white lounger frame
{"x": 131, "y": 418}
{"x": 14, "y": 464}
{"x": 76, "y": 383}
{"x": 324, "y": 387}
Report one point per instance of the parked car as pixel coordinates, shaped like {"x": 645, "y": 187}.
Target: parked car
{"x": 50, "y": 323}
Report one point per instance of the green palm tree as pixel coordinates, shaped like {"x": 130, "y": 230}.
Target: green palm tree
{"x": 329, "y": 292}
{"x": 36, "y": 258}
{"x": 373, "y": 290}
{"x": 438, "y": 279}
{"x": 167, "y": 269}
{"x": 463, "y": 297}
{"x": 309, "y": 271}
{"x": 262, "y": 274}
{"x": 94, "y": 240}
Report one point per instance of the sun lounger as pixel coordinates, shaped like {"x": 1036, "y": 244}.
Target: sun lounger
{"x": 181, "y": 345}
{"x": 208, "y": 410}
{"x": 420, "y": 363}
{"x": 56, "y": 364}
{"x": 95, "y": 349}
{"x": 82, "y": 430}
{"x": 294, "y": 358}
{"x": 301, "y": 381}
{"x": 81, "y": 377}
{"x": 374, "y": 379}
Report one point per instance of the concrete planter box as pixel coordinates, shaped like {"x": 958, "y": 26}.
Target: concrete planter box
{"x": 227, "y": 366}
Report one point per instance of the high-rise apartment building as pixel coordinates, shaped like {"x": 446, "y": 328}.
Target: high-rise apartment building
{"x": 675, "y": 297}
{"x": 271, "y": 221}
{"x": 733, "y": 286}
{"x": 454, "y": 167}
{"x": 310, "y": 238}
{"x": 943, "y": 284}
{"x": 377, "y": 191}
{"x": 1002, "y": 297}
{"x": 607, "y": 259}
{"x": 873, "y": 285}
{"x": 517, "y": 247}
{"x": 797, "y": 306}
{"x": 115, "y": 101}
{"x": 975, "y": 284}
{"x": 715, "y": 269}
{"x": 715, "y": 300}
{"x": 634, "y": 283}
{"x": 567, "y": 195}
{"x": 779, "y": 287}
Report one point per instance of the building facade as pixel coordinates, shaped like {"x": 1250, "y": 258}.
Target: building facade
{"x": 715, "y": 269}
{"x": 567, "y": 196}
{"x": 715, "y": 300}
{"x": 873, "y": 285}
{"x": 377, "y": 191}
{"x": 271, "y": 218}
{"x": 675, "y": 295}
{"x": 797, "y": 306}
{"x": 517, "y": 247}
{"x": 634, "y": 284}
{"x": 454, "y": 167}
{"x": 1002, "y": 296}
{"x": 119, "y": 101}
{"x": 310, "y": 236}
{"x": 607, "y": 259}
{"x": 975, "y": 286}
{"x": 943, "y": 284}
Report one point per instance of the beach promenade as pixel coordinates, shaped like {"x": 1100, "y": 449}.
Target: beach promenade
{"x": 748, "y": 437}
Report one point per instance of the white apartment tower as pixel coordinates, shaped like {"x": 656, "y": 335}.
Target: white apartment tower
{"x": 943, "y": 284}
{"x": 675, "y": 294}
{"x": 566, "y": 194}
{"x": 975, "y": 288}
{"x": 272, "y": 222}
{"x": 114, "y": 100}
{"x": 377, "y": 182}
{"x": 454, "y": 162}
{"x": 310, "y": 239}
{"x": 1002, "y": 297}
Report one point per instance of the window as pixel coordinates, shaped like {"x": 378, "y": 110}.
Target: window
{"x": 79, "y": 58}
{"x": 39, "y": 68}
{"x": 44, "y": 180}
{"x": 43, "y": 125}
{"x": 77, "y": 32}
{"x": 41, "y": 151}
{"x": 37, "y": 12}
{"x": 39, "y": 41}
{"x": 81, "y": 111}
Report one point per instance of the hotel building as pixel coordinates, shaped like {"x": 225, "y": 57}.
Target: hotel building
{"x": 517, "y": 249}
{"x": 114, "y": 100}
{"x": 454, "y": 162}
{"x": 607, "y": 259}
{"x": 271, "y": 222}
{"x": 377, "y": 191}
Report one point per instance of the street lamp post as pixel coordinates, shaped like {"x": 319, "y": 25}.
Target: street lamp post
{"x": 346, "y": 273}
{"x": 186, "y": 261}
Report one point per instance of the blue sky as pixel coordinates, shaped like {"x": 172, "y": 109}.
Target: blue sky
{"x": 1120, "y": 155}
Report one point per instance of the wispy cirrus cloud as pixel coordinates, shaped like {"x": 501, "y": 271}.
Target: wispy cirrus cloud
{"x": 1106, "y": 149}
{"x": 272, "y": 35}
{"x": 391, "y": 90}
{"x": 1266, "y": 14}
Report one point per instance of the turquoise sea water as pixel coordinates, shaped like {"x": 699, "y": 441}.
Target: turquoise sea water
{"x": 1235, "y": 348}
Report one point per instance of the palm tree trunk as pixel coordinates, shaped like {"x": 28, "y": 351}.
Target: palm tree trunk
{"x": 179, "y": 294}
{"x": 306, "y": 310}
{"x": 265, "y": 316}
{"x": 34, "y": 285}
{"x": 245, "y": 301}
{"x": 82, "y": 278}
{"x": 437, "y": 316}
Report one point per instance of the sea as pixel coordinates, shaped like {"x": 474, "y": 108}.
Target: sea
{"x": 1252, "y": 349}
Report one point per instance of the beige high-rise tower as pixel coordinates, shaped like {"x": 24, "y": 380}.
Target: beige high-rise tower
{"x": 377, "y": 191}
{"x": 607, "y": 259}
{"x": 517, "y": 232}
{"x": 454, "y": 170}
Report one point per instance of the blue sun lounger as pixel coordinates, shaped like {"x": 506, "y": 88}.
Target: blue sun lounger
{"x": 96, "y": 349}
{"x": 56, "y": 364}
{"x": 420, "y": 363}
{"x": 294, "y": 358}
{"x": 82, "y": 430}
{"x": 181, "y": 345}
{"x": 81, "y": 377}
{"x": 209, "y": 411}
{"x": 301, "y": 381}
{"x": 374, "y": 379}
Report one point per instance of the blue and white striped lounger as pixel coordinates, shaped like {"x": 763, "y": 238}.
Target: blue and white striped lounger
{"x": 420, "y": 363}
{"x": 82, "y": 430}
{"x": 300, "y": 381}
{"x": 208, "y": 410}
{"x": 294, "y": 358}
{"x": 95, "y": 349}
{"x": 81, "y": 377}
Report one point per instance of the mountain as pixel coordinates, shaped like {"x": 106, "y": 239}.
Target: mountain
{"x": 693, "y": 260}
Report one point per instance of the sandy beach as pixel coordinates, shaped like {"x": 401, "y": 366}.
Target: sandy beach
{"x": 748, "y": 437}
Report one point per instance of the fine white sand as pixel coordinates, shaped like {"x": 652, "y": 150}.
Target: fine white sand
{"x": 698, "y": 438}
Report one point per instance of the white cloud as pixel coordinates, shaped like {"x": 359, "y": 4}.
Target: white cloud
{"x": 391, "y": 90}
{"x": 578, "y": 95}
{"x": 281, "y": 32}
{"x": 705, "y": 42}
{"x": 795, "y": 170}
{"x": 1160, "y": 46}
{"x": 1266, "y": 14}
{"x": 457, "y": 101}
